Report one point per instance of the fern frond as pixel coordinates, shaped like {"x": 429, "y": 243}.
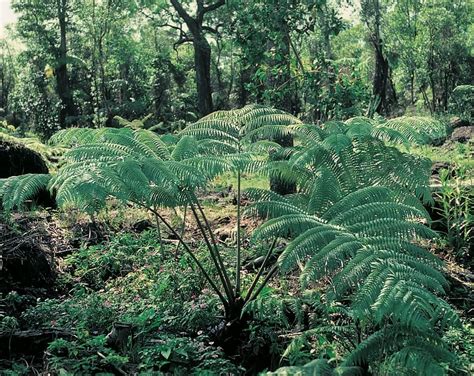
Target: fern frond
{"x": 417, "y": 129}
{"x": 267, "y": 204}
{"x": 285, "y": 225}
{"x": 72, "y": 136}
{"x": 409, "y": 350}
{"x": 308, "y": 243}
{"x": 16, "y": 191}
{"x": 319, "y": 367}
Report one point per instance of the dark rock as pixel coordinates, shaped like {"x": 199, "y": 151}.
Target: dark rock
{"x": 25, "y": 263}
{"x": 457, "y": 122}
{"x": 255, "y": 264}
{"x": 462, "y": 134}
{"x": 438, "y": 166}
{"x": 33, "y": 341}
{"x": 19, "y": 160}
{"x": 140, "y": 226}
{"x": 119, "y": 335}
{"x": 90, "y": 233}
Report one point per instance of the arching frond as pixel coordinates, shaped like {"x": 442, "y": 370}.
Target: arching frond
{"x": 409, "y": 351}
{"x": 16, "y": 191}
{"x": 241, "y": 127}
{"x": 319, "y": 367}
{"x": 366, "y": 242}
{"x": 417, "y": 129}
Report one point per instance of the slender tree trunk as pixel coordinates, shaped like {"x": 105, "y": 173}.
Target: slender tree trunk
{"x": 433, "y": 91}
{"x": 285, "y": 99}
{"x": 62, "y": 76}
{"x": 202, "y": 64}
{"x": 381, "y": 78}
{"x": 426, "y": 100}
{"x": 3, "y": 92}
{"x": 382, "y": 87}
{"x": 202, "y": 50}
{"x": 446, "y": 91}
{"x": 102, "y": 80}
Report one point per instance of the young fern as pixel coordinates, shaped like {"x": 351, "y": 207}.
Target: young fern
{"x": 237, "y": 136}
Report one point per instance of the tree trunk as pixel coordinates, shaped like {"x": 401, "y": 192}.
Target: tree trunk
{"x": 4, "y": 92}
{"x": 381, "y": 81}
{"x": 202, "y": 50}
{"x": 382, "y": 87}
{"x": 62, "y": 77}
{"x": 446, "y": 91}
{"x": 286, "y": 101}
{"x": 202, "y": 64}
{"x": 433, "y": 91}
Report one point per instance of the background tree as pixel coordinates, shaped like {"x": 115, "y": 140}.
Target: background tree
{"x": 7, "y": 76}
{"x": 443, "y": 50}
{"x": 202, "y": 49}
{"x": 403, "y": 29}
{"x": 93, "y": 61}
{"x": 383, "y": 90}
{"x": 46, "y": 26}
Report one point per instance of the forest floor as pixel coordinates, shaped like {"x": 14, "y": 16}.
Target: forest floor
{"x": 68, "y": 281}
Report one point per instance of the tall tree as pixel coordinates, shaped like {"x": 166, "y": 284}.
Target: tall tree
{"x": 7, "y": 76}
{"x": 263, "y": 29}
{"x": 62, "y": 75}
{"x": 46, "y": 24}
{"x": 382, "y": 88}
{"x": 202, "y": 49}
{"x": 403, "y": 30}
{"x": 442, "y": 40}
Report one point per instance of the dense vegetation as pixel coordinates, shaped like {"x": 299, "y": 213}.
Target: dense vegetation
{"x": 237, "y": 187}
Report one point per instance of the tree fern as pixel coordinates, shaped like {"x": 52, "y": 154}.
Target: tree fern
{"x": 367, "y": 243}
{"x": 417, "y": 129}
{"x": 137, "y": 167}
{"x": 362, "y": 228}
{"x": 16, "y": 191}
{"x": 319, "y": 367}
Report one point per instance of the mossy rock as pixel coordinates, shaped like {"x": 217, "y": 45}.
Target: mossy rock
{"x": 17, "y": 159}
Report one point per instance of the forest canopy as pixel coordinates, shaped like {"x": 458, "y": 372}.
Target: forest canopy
{"x": 81, "y": 62}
